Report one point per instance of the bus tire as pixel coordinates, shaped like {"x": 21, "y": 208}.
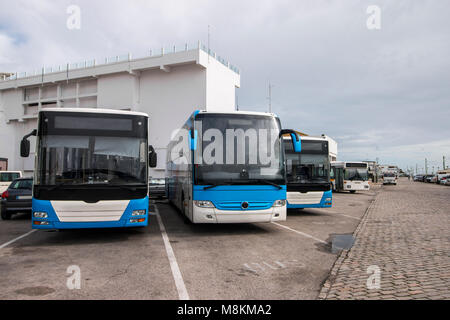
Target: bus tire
{"x": 183, "y": 211}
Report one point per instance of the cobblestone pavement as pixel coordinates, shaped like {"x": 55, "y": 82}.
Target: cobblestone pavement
{"x": 406, "y": 234}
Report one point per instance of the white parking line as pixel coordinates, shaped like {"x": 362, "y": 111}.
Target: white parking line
{"x": 301, "y": 233}
{"x": 347, "y": 216}
{"x": 18, "y": 238}
{"x": 176, "y": 273}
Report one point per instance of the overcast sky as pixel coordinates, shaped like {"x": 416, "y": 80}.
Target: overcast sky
{"x": 380, "y": 93}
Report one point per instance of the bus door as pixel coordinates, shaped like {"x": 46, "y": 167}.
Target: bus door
{"x": 339, "y": 179}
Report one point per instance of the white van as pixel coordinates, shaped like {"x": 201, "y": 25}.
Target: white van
{"x": 389, "y": 178}
{"x": 441, "y": 174}
{"x": 6, "y": 177}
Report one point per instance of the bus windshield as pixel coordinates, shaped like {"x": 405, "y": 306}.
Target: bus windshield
{"x": 247, "y": 149}
{"x": 311, "y": 165}
{"x": 356, "y": 174}
{"x": 391, "y": 175}
{"x": 85, "y": 160}
{"x": 85, "y": 149}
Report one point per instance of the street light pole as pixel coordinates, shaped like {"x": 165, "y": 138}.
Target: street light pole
{"x": 270, "y": 97}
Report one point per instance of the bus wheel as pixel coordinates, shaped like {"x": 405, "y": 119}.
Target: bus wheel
{"x": 183, "y": 211}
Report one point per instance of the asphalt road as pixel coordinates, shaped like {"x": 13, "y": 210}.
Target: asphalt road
{"x": 289, "y": 260}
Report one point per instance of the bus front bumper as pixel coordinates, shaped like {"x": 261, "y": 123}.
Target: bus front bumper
{"x": 312, "y": 199}
{"x": 37, "y": 224}
{"x": 53, "y": 220}
{"x": 356, "y": 186}
{"x": 214, "y": 215}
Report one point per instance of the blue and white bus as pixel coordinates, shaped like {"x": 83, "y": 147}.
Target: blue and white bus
{"x": 91, "y": 169}
{"x": 228, "y": 168}
{"x": 308, "y": 174}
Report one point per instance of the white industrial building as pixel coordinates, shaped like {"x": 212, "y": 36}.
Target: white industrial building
{"x": 168, "y": 87}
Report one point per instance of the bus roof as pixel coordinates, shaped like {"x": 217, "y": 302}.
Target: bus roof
{"x": 240, "y": 112}
{"x": 287, "y": 136}
{"x": 343, "y": 163}
{"x": 95, "y": 110}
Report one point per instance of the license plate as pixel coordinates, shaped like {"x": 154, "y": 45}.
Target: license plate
{"x": 23, "y": 197}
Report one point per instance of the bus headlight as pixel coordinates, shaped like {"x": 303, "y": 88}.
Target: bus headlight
{"x": 279, "y": 203}
{"x": 138, "y": 213}
{"x": 203, "y": 203}
{"x": 38, "y": 214}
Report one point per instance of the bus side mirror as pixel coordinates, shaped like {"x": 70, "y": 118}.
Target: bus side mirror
{"x": 25, "y": 144}
{"x": 24, "y": 148}
{"x": 193, "y": 135}
{"x": 296, "y": 142}
{"x": 152, "y": 157}
{"x": 295, "y": 138}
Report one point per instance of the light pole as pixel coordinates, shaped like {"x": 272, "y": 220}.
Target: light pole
{"x": 270, "y": 97}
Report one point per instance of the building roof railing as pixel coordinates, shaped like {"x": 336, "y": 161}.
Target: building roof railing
{"x": 109, "y": 60}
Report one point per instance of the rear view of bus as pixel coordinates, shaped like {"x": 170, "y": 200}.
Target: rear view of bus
{"x": 232, "y": 170}
{"x": 91, "y": 169}
{"x": 350, "y": 176}
{"x": 308, "y": 174}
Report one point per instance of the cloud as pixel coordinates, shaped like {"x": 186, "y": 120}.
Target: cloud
{"x": 376, "y": 91}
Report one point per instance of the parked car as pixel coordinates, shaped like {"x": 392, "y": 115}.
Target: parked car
{"x": 444, "y": 180}
{"x": 17, "y": 198}
{"x": 157, "y": 188}
{"x": 447, "y": 182}
{"x": 418, "y": 177}
{"x": 6, "y": 177}
{"x": 428, "y": 177}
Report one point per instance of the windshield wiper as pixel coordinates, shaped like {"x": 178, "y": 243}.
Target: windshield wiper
{"x": 224, "y": 183}
{"x": 270, "y": 183}
{"x": 239, "y": 182}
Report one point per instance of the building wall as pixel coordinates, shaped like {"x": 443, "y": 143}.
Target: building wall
{"x": 11, "y": 103}
{"x": 221, "y": 85}
{"x": 10, "y": 136}
{"x": 169, "y": 98}
{"x": 116, "y": 91}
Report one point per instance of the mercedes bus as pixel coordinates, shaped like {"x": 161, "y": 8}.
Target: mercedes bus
{"x": 308, "y": 174}
{"x": 350, "y": 176}
{"x": 90, "y": 169}
{"x": 229, "y": 167}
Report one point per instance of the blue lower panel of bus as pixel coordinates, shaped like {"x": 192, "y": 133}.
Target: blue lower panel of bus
{"x": 231, "y": 197}
{"x": 322, "y": 204}
{"x": 55, "y": 223}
